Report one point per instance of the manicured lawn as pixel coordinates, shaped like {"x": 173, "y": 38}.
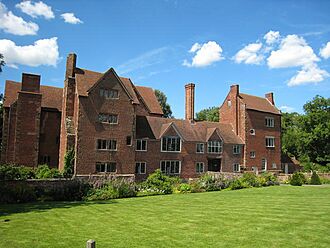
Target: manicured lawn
{"x": 282, "y": 216}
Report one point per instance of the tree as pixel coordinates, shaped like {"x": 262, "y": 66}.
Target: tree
{"x": 307, "y": 136}
{"x": 2, "y": 62}
{"x": 162, "y": 99}
{"x": 209, "y": 114}
{"x": 69, "y": 163}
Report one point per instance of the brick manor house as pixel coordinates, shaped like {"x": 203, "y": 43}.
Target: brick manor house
{"x": 117, "y": 127}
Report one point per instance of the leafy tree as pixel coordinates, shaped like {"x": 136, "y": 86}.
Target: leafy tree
{"x": 290, "y": 133}
{"x": 1, "y": 117}
{"x": 209, "y": 114}
{"x": 2, "y": 62}
{"x": 315, "y": 179}
{"x": 162, "y": 99}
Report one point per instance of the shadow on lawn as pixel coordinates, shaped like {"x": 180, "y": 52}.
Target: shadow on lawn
{"x": 9, "y": 209}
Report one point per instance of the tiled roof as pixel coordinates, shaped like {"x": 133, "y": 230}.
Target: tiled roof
{"x": 86, "y": 79}
{"x": 197, "y": 131}
{"x": 259, "y": 103}
{"x": 51, "y": 96}
{"x": 149, "y": 97}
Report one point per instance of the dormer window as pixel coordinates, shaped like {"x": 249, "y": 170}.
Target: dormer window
{"x": 269, "y": 121}
{"x": 171, "y": 144}
{"x": 109, "y": 94}
{"x": 214, "y": 146}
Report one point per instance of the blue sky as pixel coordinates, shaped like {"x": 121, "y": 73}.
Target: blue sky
{"x": 279, "y": 46}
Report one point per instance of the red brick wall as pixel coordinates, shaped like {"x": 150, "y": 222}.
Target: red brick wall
{"x": 89, "y": 129}
{"x": 27, "y": 128}
{"x": 257, "y": 143}
{"x": 50, "y": 136}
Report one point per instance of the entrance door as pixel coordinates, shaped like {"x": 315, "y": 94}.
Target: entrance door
{"x": 214, "y": 165}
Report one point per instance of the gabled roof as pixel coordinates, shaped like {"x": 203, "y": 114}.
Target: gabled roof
{"x": 51, "y": 96}
{"x": 210, "y": 131}
{"x": 197, "y": 131}
{"x": 86, "y": 79}
{"x": 259, "y": 104}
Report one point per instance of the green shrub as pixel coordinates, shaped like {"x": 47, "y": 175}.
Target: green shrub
{"x": 210, "y": 183}
{"x": 297, "y": 179}
{"x": 159, "y": 182}
{"x": 12, "y": 172}
{"x": 69, "y": 163}
{"x": 184, "y": 188}
{"x": 315, "y": 179}
{"x": 238, "y": 183}
{"x": 325, "y": 180}
{"x": 251, "y": 179}
{"x": 268, "y": 179}
{"x": 112, "y": 190}
{"x": 44, "y": 172}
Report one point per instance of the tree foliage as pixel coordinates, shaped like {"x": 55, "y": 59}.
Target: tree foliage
{"x": 307, "y": 136}
{"x": 209, "y": 114}
{"x": 69, "y": 163}
{"x": 2, "y": 62}
{"x": 162, "y": 99}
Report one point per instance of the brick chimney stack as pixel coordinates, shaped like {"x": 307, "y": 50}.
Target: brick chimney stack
{"x": 30, "y": 83}
{"x": 70, "y": 65}
{"x": 270, "y": 97}
{"x": 190, "y": 102}
{"x": 234, "y": 89}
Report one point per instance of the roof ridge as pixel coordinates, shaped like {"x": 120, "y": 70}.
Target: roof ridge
{"x": 41, "y": 85}
{"x": 254, "y": 96}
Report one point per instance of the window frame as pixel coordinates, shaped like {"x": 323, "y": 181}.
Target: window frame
{"x": 107, "y": 167}
{"x": 263, "y": 164}
{"x": 170, "y": 161}
{"x": 141, "y": 140}
{"x": 106, "y": 96}
{"x": 138, "y": 165}
{"x": 107, "y": 145}
{"x": 252, "y": 132}
{"x": 108, "y": 117}
{"x": 254, "y": 152}
{"x": 237, "y": 149}
{"x": 238, "y": 169}
{"x": 269, "y": 121}
{"x": 212, "y": 146}
{"x": 199, "y": 165}
{"x": 269, "y": 138}
{"x": 170, "y": 137}
{"x": 203, "y": 146}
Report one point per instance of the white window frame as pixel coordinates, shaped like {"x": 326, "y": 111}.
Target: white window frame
{"x": 203, "y": 148}
{"x": 237, "y": 149}
{"x": 199, "y": 165}
{"x": 107, "y": 166}
{"x": 268, "y": 143}
{"x": 170, "y": 138}
{"x": 236, "y": 167}
{"x": 264, "y": 164}
{"x": 107, "y": 95}
{"x": 274, "y": 166}
{"x": 218, "y": 145}
{"x": 107, "y": 144}
{"x": 139, "y": 164}
{"x": 252, "y": 154}
{"x": 229, "y": 103}
{"x": 269, "y": 121}
{"x": 141, "y": 140}
{"x": 170, "y": 161}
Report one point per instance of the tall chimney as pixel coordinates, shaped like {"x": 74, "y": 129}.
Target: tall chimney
{"x": 270, "y": 97}
{"x": 190, "y": 102}
{"x": 234, "y": 89}
{"x": 30, "y": 82}
{"x": 70, "y": 65}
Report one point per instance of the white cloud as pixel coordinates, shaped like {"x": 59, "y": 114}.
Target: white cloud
{"x": 205, "y": 54}
{"x": 42, "y": 52}
{"x": 293, "y": 51}
{"x": 250, "y": 54}
{"x": 325, "y": 51}
{"x": 14, "y": 24}
{"x": 70, "y": 18}
{"x": 36, "y": 9}
{"x": 195, "y": 47}
{"x": 286, "y": 109}
{"x": 308, "y": 74}
{"x": 272, "y": 37}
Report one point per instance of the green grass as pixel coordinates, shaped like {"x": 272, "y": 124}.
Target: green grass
{"x": 283, "y": 216}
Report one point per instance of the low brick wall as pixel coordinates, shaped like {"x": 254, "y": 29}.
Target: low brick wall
{"x": 285, "y": 177}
